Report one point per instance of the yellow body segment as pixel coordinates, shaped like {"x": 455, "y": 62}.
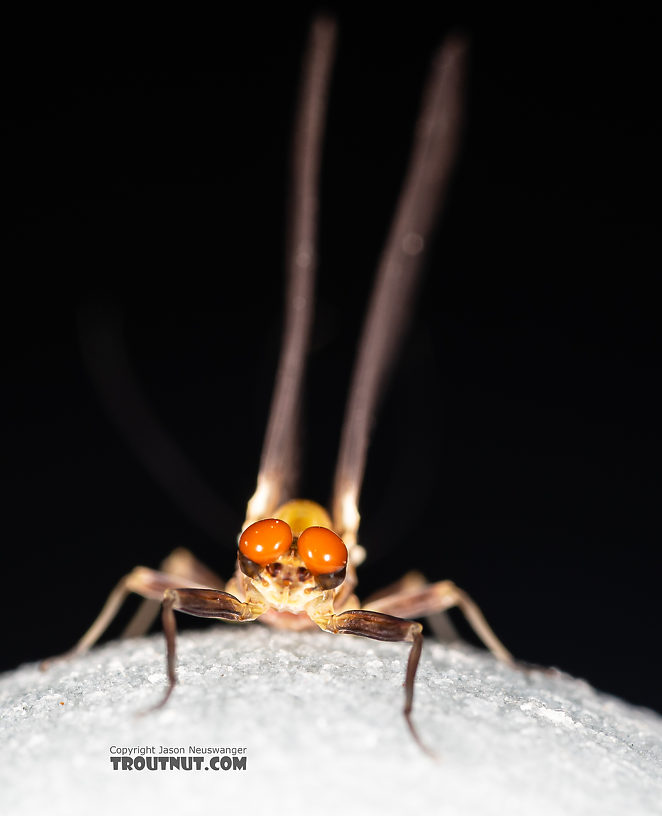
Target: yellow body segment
{"x": 303, "y": 513}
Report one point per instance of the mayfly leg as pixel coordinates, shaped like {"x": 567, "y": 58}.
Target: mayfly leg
{"x": 201, "y": 603}
{"x": 399, "y": 271}
{"x": 378, "y": 626}
{"x": 179, "y": 562}
{"x": 150, "y": 585}
{"x": 278, "y": 462}
{"x": 418, "y": 601}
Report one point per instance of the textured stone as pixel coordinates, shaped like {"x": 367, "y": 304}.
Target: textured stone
{"x": 320, "y": 718}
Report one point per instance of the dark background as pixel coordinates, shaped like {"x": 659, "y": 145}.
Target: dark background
{"x": 518, "y": 450}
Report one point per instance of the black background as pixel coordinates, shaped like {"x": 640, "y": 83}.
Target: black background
{"x": 518, "y": 449}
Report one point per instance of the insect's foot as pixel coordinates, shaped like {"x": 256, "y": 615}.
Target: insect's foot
{"x": 158, "y": 705}
{"x": 535, "y": 668}
{"x": 417, "y": 739}
{"x": 46, "y": 664}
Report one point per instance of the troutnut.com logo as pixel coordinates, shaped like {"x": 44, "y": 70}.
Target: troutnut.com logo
{"x": 177, "y": 758}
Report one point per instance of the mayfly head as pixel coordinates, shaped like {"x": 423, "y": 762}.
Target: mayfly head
{"x": 292, "y": 565}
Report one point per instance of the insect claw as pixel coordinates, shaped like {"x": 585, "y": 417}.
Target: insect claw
{"x": 158, "y": 705}
{"x": 417, "y": 739}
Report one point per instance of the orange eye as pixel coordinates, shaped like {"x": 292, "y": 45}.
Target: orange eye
{"x": 263, "y": 541}
{"x": 321, "y": 550}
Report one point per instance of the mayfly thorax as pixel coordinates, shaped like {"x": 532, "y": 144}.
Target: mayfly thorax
{"x": 296, "y": 562}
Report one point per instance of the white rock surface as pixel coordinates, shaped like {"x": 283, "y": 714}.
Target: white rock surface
{"x": 320, "y": 718}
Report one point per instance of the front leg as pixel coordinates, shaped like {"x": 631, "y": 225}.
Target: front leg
{"x": 203, "y": 603}
{"x": 379, "y": 626}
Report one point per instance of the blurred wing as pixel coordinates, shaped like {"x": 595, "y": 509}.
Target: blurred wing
{"x": 107, "y": 362}
{"x": 422, "y": 196}
{"x": 277, "y": 474}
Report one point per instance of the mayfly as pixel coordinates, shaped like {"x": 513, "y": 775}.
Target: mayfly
{"x": 296, "y": 562}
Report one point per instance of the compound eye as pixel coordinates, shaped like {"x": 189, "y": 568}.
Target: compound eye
{"x": 264, "y": 541}
{"x": 321, "y": 550}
